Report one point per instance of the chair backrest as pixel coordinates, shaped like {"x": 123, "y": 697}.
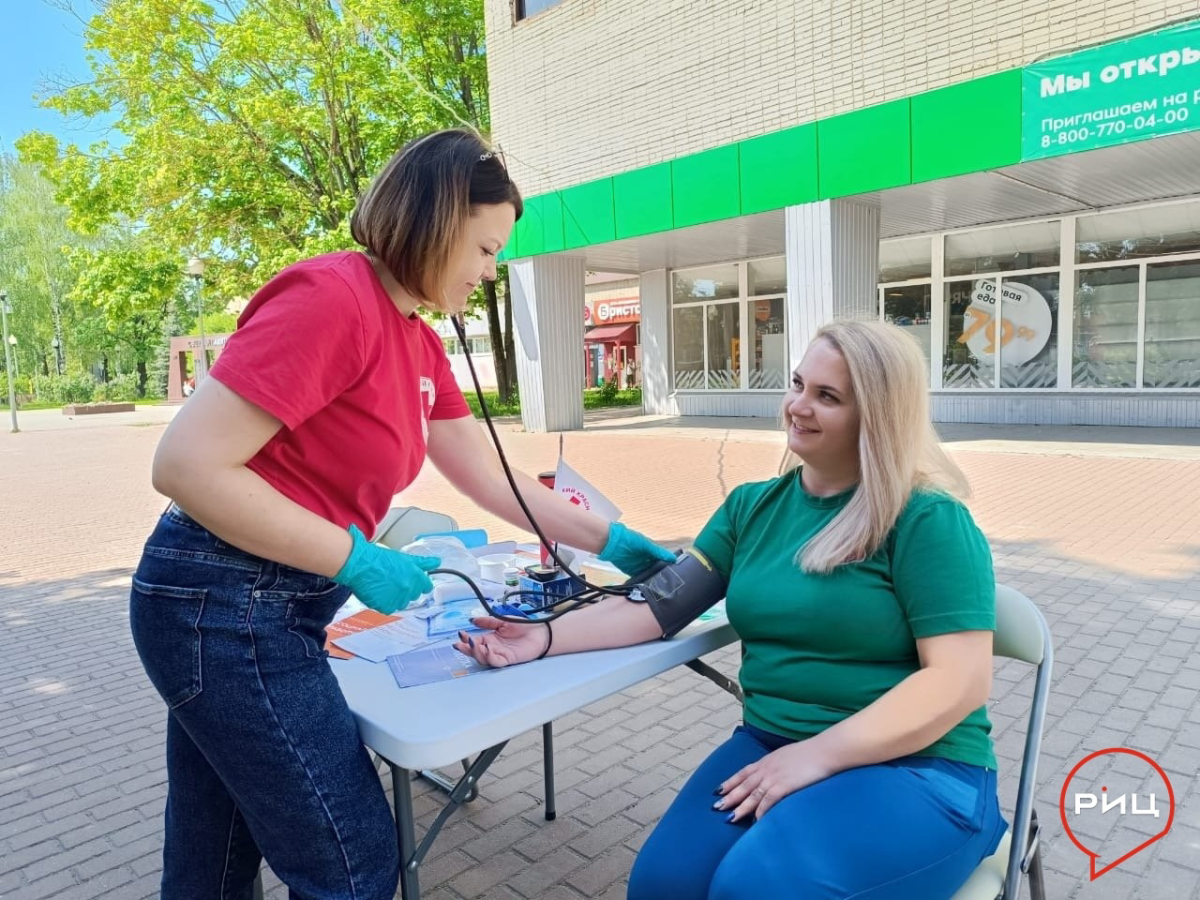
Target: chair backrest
{"x": 1022, "y": 634}
{"x": 402, "y": 524}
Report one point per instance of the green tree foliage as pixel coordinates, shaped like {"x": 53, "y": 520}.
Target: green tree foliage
{"x": 251, "y": 126}
{"x": 35, "y": 270}
{"x": 132, "y": 287}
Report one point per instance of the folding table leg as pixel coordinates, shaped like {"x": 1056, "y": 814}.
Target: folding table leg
{"x": 412, "y": 853}
{"x": 445, "y": 784}
{"x": 720, "y": 680}
{"x": 548, "y": 768}
{"x": 406, "y": 833}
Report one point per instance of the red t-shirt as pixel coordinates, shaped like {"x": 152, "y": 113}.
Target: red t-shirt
{"x": 323, "y": 349}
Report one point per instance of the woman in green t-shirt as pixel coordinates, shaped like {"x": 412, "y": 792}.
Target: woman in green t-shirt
{"x": 864, "y": 597}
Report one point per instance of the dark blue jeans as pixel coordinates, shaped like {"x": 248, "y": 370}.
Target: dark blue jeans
{"x": 910, "y": 829}
{"x": 263, "y": 755}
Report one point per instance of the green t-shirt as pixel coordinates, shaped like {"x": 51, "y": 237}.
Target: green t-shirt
{"x": 819, "y": 648}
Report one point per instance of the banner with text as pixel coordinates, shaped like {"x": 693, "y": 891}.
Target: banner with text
{"x": 1146, "y": 86}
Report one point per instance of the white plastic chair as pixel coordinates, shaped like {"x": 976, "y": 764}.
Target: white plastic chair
{"x": 402, "y": 524}
{"x": 1022, "y": 634}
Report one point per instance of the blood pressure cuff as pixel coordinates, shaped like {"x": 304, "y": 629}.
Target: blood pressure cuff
{"x": 677, "y": 593}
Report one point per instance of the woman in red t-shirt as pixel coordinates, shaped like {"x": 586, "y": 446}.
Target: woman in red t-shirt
{"x": 324, "y": 404}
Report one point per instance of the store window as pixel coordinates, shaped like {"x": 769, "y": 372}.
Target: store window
{"x": 1172, "y": 348}
{"x": 906, "y": 290}
{"x": 710, "y": 283}
{"x": 1105, "y": 342}
{"x": 1156, "y": 287}
{"x": 689, "y": 348}
{"x": 910, "y": 307}
{"x": 728, "y": 329}
{"x": 905, "y": 260}
{"x": 723, "y": 363}
{"x": 1002, "y": 332}
{"x": 1001, "y": 325}
{"x": 967, "y": 360}
{"x": 1012, "y": 248}
{"x": 1138, "y": 233}
{"x": 768, "y": 367}
{"x": 768, "y": 276}
{"x": 1133, "y": 322}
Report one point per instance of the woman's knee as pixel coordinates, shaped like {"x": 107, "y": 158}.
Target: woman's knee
{"x": 662, "y": 871}
{"x": 769, "y": 864}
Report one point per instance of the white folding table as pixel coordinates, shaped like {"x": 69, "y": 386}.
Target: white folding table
{"x": 441, "y": 724}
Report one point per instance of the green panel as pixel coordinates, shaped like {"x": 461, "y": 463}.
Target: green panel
{"x": 643, "y": 200}
{"x": 541, "y": 228}
{"x": 588, "y": 215}
{"x": 527, "y": 233}
{"x": 968, "y": 127}
{"x": 510, "y": 250}
{"x": 704, "y": 187}
{"x": 866, "y": 150}
{"x": 779, "y": 169}
{"x": 552, "y": 222}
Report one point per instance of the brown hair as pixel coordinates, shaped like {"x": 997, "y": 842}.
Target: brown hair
{"x": 414, "y": 212}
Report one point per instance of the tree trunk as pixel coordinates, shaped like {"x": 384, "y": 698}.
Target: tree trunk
{"x": 143, "y": 374}
{"x": 510, "y": 356}
{"x": 498, "y": 356}
{"x": 104, "y": 368}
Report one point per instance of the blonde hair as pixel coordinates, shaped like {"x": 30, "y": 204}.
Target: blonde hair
{"x": 898, "y": 450}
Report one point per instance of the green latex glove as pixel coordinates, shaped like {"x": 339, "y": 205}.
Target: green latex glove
{"x": 382, "y": 578}
{"x": 632, "y": 552}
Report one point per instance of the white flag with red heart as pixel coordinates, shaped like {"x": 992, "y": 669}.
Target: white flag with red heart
{"x": 583, "y": 493}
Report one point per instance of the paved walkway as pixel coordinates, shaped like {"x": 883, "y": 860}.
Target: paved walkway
{"x": 1100, "y": 526}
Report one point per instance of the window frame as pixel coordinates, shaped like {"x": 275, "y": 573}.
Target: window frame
{"x": 520, "y": 15}
{"x": 1068, "y": 271}
{"x": 744, "y": 300}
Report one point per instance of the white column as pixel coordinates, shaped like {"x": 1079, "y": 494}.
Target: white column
{"x": 832, "y": 267}
{"x": 1066, "y": 304}
{"x": 548, "y": 300}
{"x": 937, "y": 312}
{"x": 656, "y": 342}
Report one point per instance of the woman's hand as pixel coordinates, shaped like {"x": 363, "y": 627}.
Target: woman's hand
{"x": 382, "y": 578}
{"x": 760, "y": 785}
{"x": 506, "y": 643}
{"x": 631, "y": 551}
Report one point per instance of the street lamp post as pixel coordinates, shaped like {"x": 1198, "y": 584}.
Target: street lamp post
{"x": 5, "y": 309}
{"x": 195, "y": 271}
{"x": 12, "y": 340}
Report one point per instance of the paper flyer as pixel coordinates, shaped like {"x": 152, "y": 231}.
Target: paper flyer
{"x": 361, "y": 621}
{"x": 432, "y": 664}
{"x": 377, "y": 644}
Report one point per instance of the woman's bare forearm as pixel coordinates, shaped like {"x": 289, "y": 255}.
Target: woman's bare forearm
{"x": 613, "y": 622}
{"x": 240, "y": 508}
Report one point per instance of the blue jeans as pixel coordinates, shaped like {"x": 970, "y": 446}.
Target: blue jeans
{"x": 263, "y": 755}
{"x": 910, "y": 829}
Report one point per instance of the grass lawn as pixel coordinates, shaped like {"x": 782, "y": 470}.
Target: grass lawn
{"x": 594, "y": 398}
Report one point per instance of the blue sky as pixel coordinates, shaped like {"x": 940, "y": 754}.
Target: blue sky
{"x": 37, "y": 42}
